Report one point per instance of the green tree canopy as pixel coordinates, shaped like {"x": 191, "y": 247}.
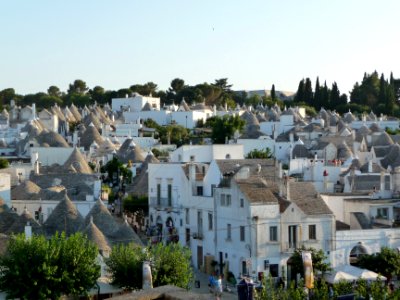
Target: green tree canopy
{"x": 265, "y": 153}
{"x": 385, "y": 262}
{"x": 224, "y": 127}
{"x": 4, "y": 163}
{"x": 318, "y": 261}
{"x": 37, "y": 268}
{"x": 78, "y": 87}
{"x": 125, "y": 265}
{"x": 170, "y": 264}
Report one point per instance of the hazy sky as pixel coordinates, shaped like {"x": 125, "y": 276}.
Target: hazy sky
{"x": 254, "y": 44}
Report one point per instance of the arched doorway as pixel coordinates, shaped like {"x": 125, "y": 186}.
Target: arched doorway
{"x": 355, "y": 253}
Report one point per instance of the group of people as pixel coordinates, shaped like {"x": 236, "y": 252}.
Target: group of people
{"x": 215, "y": 286}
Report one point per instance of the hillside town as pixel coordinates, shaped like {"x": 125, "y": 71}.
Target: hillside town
{"x": 330, "y": 182}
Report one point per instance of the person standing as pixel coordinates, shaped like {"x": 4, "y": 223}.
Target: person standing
{"x": 218, "y": 288}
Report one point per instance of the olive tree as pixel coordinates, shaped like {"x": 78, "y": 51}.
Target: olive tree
{"x": 37, "y": 268}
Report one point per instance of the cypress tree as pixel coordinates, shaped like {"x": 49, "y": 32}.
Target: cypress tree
{"x": 382, "y": 90}
{"x": 317, "y": 95}
{"x": 325, "y": 96}
{"x": 308, "y": 92}
{"x": 300, "y": 92}
{"x": 334, "y": 96}
{"x": 273, "y": 95}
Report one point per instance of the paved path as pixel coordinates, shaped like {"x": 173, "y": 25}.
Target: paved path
{"x": 204, "y": 289}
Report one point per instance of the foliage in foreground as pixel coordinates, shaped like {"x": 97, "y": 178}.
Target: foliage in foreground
{"x": 375, "y": 290}
{"x": 37, "y": 268}
{"x": 170, "y": 264}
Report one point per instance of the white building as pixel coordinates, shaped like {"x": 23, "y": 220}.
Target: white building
{"x": 135, "y": 103}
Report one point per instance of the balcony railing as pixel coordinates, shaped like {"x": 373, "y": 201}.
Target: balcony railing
{"x": 160, "y": 202}
{"x": 316, "y": 244}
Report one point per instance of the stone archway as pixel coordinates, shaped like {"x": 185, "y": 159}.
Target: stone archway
{"x": 356, "y": 252}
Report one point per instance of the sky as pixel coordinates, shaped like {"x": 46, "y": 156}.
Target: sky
{"x": 118, "y": 43}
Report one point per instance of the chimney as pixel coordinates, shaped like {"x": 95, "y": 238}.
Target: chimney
{"x": 75, "y": 138}
{"x": 291, "y": 137}
{"x": 192, "y": 176}
{"x": 28, "y": 231}
{"x": 33, "y": 111}
{"x": 382, "y": 181}
{"x": 370, "y": 166}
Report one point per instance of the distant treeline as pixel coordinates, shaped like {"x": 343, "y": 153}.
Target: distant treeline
{"x": 373, "y": 93}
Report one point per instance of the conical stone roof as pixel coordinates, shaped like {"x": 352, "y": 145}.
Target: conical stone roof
{"x": 125, "y": 235}
{"x": 96, "y": 236}
{"x": 90, "y": 135}
{"x": 75, "y": 112}
{"x": 65, "y": 217}
{"x": 7, "y": 216}
{"x": 102, "y": 218}
{"x": 392, "y": 158}
{"x": 19, "y": 225}
{"x": 78, "y": 163}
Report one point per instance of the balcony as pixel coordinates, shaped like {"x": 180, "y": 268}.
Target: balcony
{"x": 162, "y": 203}
{"x": 325, "y": 245}
{"x": 198, "y": 235}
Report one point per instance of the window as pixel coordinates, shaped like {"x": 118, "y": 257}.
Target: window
{"x": 192, "y": 157}
{"x": 312, "y": 232}
{"x": 158, "y": 194}
{"x": 199, "y": 191}
{"x": 274, "y": 270}
{"x": 241, "y": 202}
{"x": 210, "y": 221}
{"x": 169, "y": 195}
{"x": 179, "y": 157}
{"x": 187, "y": 215}
{"x": 273, "y": 233}
{"x": 242, "y": 236}
{"x": 223, "y": 200}
{"x": 229, "y": 232}
{"x": 382, "y": 213}
{"x": 228, "y": 200}
{"x": 213, "y": 186}
{"x": 228, "y": 156}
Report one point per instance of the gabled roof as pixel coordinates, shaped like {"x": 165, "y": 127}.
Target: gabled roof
{"x": 256, "y": 191}
{"x": 300, "y": 151}
{"x": 229, "y": 167}
{"x": 306, "y": 197}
